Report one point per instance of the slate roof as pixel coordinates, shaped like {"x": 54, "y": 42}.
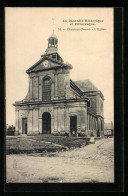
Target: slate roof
{"x": 53, "y": 35}
{"x": 51, "y": 50}
{"x": 51, "y": 53}
{"x": 86, "y": 85}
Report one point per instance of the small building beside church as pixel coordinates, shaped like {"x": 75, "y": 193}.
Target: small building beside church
{"x": 108, "y": 129}
{"x": 54, "y": 103}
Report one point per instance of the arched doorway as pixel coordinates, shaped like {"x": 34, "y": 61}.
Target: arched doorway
{"x": 46, "y": 123}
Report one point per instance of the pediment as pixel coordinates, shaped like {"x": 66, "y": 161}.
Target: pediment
{"x": 43, "y": 64}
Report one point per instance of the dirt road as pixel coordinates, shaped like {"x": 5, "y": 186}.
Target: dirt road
{"x": 92, "y": 163}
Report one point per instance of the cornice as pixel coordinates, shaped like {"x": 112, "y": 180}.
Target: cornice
{"x": 27, "y": 103}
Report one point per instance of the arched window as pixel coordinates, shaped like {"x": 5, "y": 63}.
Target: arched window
{"x": 46, "y": 94}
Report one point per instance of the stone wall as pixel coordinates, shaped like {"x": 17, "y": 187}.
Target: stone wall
{"x": 99, "y": 109}
{"x": 60, "y": 116}
{"x": 60, "y": 84}
{"x": 93, "y": 104}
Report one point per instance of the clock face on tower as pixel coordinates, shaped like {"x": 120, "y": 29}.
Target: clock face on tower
{"x": 45, "y": 63}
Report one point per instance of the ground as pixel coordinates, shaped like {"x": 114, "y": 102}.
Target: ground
{"x": 42, "y": 143}
{"x": 89, "y": 164}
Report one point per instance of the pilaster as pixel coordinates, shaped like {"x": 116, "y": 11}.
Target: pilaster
{"x": 30, "y": 87}
{"x": 55, "y": 119}
{"x": 55, "y": 85}
{"x": 40, "y": 124}
{"x": 30, "y": 121}
{"x": 59, "y": 119}
{"x": 35, "y": 119}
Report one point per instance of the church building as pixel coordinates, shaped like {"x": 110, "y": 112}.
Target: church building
{"x": 56, "y": 104}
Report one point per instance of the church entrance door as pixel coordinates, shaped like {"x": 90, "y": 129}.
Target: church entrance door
{"x": 46, "y": 123}
{"x": 24, "y": 126}
{"x": 73, "y": 124}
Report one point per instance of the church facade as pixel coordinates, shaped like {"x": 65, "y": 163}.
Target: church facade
{"x": 56, "y": 104}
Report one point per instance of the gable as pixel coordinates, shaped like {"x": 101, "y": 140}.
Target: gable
{"x": 47, "y": 63}
{"x": 43, "y": 64}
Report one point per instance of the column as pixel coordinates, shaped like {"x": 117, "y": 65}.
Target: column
{"x": 55, "y": 85}
{"x": 55, "y": 119}
{"x": 103, "y": 125}
{"x": 67, "y": 83}
{"x": 35, "y": 119}
{"x": 40, "y": 125}
{"x": 30, "y": 121}
{"x": 96, "y": 123}
{"x": 40, "y": 88}
{"x": 83, "y": 117}
{"x": 20, "y": 123}
{"x": 86, "y": 119}
{"x": 61, "y": 128}
{"x": 52, "y": 119}
{"x": 90, "y": 122}
{"x": 79, "y": 121}
{"x": 52, "y": 90}
{"x": 52, "y": 123}
{"x": 30, "y": 88}
{"x": 35, "y": 87}
{"x": 68, "y": 120}
{"x": 59, "y": 119}
{"x": 65, "y": 119}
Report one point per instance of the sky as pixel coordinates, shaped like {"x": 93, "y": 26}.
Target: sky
{"x": 88, "y": 48}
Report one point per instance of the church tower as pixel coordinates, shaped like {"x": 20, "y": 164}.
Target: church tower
{"x": 50, "y": 72}
{"x": 52, "y": 49}
{"x": 52, "y": 44}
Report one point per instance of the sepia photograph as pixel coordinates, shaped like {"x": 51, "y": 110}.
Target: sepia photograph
{"x": 59, "y": 65}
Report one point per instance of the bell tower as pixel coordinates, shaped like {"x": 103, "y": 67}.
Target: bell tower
{"x": 52, "y": 44}
{"x": 52, "y": 41}
{"x": 52, "y": 49}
